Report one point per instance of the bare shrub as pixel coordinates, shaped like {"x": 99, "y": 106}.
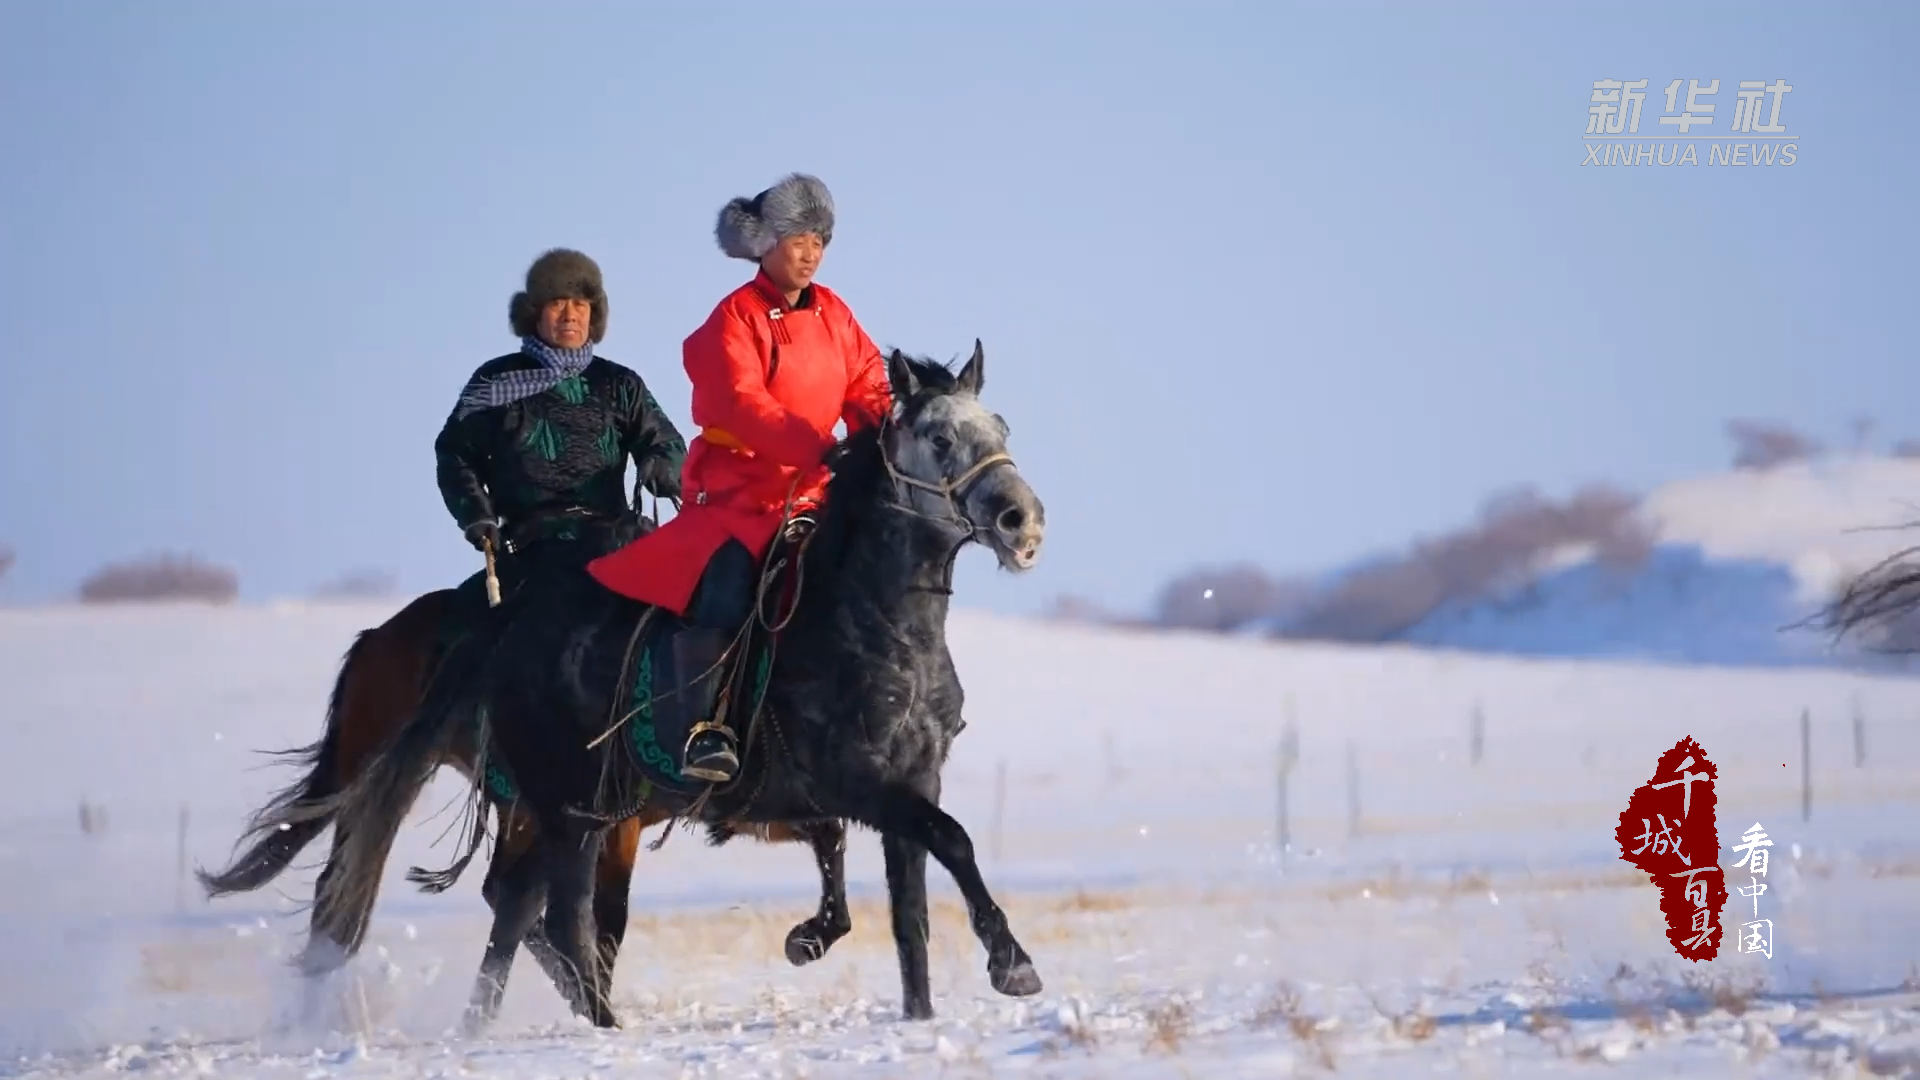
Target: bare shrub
{"x": 1069, "y": 608}
{"x": 1225, "y": 598}
{"x": 161, "y": 577}
{"x": 1907, "y": 448}
{"x": 358, "y": 585}
{"x": 1862, "y": 427}
{"x": 1763, "y": 444}
{"x": 1373, "y": 604}
{"x": 1880, "y": 607}
{"x": 1627, "y": 547}
{"x": 1504, "y": 550}
{"x": 6, "y": 560}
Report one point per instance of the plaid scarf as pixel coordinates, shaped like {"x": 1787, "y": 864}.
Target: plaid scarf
{"x": 556, "y": 365}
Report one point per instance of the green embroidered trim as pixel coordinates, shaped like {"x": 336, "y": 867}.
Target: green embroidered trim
{"x": 543, "y": 440}
{"x": 645, "y": 740}
{"x": 572, "y": 390}
{"x": 762, "y": 671}
{"x": 609, "y": 445}
{"x": 499, "y": 785}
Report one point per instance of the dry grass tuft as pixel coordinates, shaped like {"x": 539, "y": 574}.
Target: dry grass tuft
{"x": 202, "y": 964}
{"x": 1414, "y": 1026}
{"x": 1284, "y": 1007}
{"x": 1168, "y": 1026}
{"x": 1544, "y": 1021}
{"x": 1474, "y": 885}
{"x": 1727, "y": 993}
{"x": 1082, "y": 901}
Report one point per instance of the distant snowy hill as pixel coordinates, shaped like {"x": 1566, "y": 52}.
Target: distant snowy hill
{"x": 1739, "y": 556}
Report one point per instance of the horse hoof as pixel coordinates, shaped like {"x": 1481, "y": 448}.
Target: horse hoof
{"x": 1020, "y": 980}
{"x": 474, "y": 1023}
{"x": 804, "y": 947}
{"x": 917, "y": 1010}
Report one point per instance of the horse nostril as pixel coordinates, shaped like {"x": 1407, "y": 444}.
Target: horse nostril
{"x": 1011, "y": 519}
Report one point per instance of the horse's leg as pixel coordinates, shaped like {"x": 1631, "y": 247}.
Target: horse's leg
{"x": 907, "y": 897}
{"x": 810, "y": 940}
{"x": 518, "y": 830}
{"x": 573, "y": 849}
{"x": 612, "y": 882}
{"x": 899, "y": 812}
{"x": 516, "y": 895}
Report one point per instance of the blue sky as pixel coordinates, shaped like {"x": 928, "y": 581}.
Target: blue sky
{"x": 1258, "y": 281}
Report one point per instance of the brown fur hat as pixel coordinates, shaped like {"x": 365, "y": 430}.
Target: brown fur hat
{"x": 561, "y": 273}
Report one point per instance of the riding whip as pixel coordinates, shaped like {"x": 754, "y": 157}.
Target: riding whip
{"x": 493, "y": 578}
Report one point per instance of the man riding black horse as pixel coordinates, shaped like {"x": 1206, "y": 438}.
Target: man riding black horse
{"x": 533, "y": 458}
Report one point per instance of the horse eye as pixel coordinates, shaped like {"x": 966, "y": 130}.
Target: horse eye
{"x": 942, "y": 443}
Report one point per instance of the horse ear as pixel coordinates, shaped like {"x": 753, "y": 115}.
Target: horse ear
{"x": 974, "y": 376}
{"x": 900, "y": 373}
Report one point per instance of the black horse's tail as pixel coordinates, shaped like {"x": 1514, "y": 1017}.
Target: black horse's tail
{"x": 273, "y": 838}
{"x": 368, "y": 813}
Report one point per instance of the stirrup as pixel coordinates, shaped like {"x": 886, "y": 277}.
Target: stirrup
{"x": 715, "y": 776}
{"x": 798, "y": 527}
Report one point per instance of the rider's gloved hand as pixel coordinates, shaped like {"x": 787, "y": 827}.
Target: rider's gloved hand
{"x": 483, "y": 532}
{"x": 660, "y": 477}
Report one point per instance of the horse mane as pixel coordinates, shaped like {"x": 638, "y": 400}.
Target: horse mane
{"x": 858, "y": 469}
{"x": 856, "y": 465}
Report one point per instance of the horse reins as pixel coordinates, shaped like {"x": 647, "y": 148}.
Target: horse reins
{"x": 950, "y": 490}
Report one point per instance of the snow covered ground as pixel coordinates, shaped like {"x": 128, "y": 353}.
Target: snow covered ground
{"x": 1433, "y": 914}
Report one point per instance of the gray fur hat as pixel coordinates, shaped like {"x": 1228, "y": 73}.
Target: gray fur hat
{"x": 560, "y": 274}
{"x": 749, "y": 228}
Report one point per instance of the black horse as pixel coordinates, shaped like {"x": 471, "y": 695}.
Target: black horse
{"x": 850, "y": 717}
{"x": 380, "y": 684}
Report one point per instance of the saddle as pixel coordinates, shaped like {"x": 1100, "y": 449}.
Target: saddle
{"x": 649, "y": 671}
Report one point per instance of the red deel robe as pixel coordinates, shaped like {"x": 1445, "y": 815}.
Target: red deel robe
{"x": 769, "y": 383}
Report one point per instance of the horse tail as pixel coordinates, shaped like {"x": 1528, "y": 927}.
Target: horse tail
{"x": 274, "y": 835}
{"x": 367, "y": 813}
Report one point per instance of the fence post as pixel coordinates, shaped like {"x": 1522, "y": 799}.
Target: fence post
{"x": 1353, "y": 791}
{"x": 1289, "y": 754}
{"x": 180, "y": 864}
{"x": 999, "y": 804}
{"x": 1806, "y": 765}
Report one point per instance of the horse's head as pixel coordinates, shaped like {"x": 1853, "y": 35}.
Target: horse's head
{"x": 947, "y": 456}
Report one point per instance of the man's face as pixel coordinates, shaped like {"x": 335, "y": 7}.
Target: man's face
{"x": 564, "y": 323}
{"x": 794, "y": 260}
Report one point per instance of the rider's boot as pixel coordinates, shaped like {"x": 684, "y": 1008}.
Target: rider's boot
{"x": 709, "y": 753}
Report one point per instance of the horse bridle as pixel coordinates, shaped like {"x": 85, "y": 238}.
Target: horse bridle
{"x": 952, "y": 490}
